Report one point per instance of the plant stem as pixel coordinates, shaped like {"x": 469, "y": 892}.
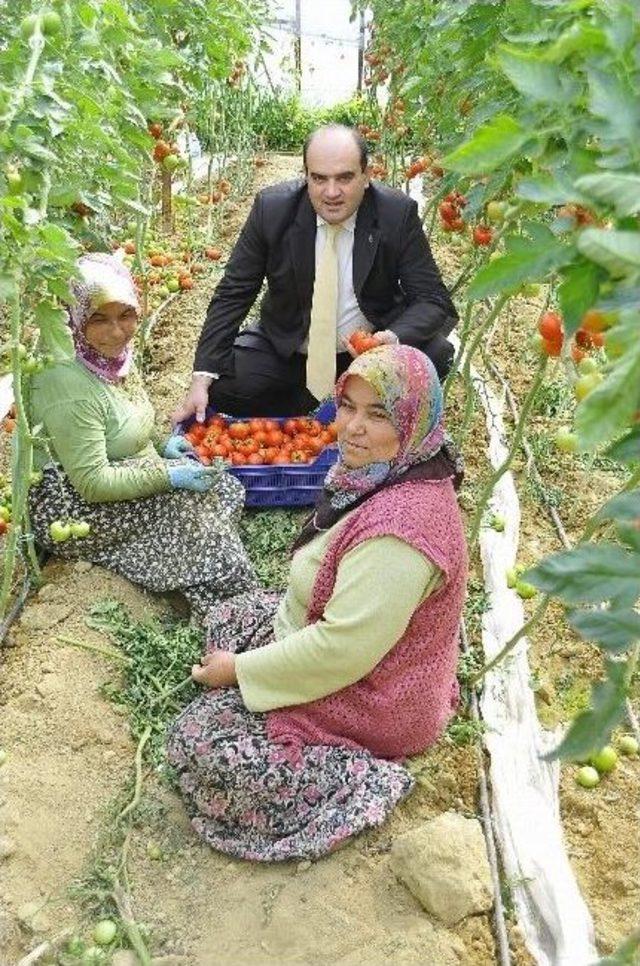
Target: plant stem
{"x": 94, "y": 648}
{"x": 468, "y": 357}
{"x": 511, "y": 643}
{"x": 137, "y": 793}
{"x": 516, "y": 442}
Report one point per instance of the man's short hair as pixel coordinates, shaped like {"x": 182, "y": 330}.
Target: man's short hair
{"x": 360, "y": 142}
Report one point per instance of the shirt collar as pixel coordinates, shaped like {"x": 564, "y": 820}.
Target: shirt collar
{"x": 349, "y": 224}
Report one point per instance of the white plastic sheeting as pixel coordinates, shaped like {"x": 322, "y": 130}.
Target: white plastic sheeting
{"x": 6, "y": 395}
{"x": 555, "y": 921}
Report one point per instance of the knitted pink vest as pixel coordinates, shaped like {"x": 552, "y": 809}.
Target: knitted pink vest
{"x": 403, "y": 704}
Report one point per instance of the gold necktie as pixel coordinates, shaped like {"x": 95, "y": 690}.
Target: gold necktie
{"x": 321, "y": 351}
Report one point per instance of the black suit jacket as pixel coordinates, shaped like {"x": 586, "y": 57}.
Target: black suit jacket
{"x": 395, "y": 279}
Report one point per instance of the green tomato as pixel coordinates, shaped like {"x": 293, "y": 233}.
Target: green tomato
{"x": 524, "y": 590}
{"x": 35, "y": 478}
{"x": 587, "y": 776}
{"x": 28, "y": 26}
{"x": 163, "y": 291}
{"x": 80, "y": 529}
{"x": 605, "y": 760}
{"x": 512, "y": 576}
{"x": 587, "y": 365}
{"x": 59, "y": 531}
{"x": 566, "y": 441}
{"x": 173, "y": 285}
{"x": 5, "y": 514}
{"x": 496, "y": 211}
{"x": 627, "y": 745}
{"x": 104, "y": 932}
{"x": 498, "y": 523}
{"x": 171, "y": 162}
{"x": 586, "y": 384}
{"x": 154, "y": 851}
{"x": 530, "y": 289}
{"x": 3, "y": 757}
{"x": 30, "y": 365}
{"x": 51, "y": 23}
{"x": 15, "y": 181}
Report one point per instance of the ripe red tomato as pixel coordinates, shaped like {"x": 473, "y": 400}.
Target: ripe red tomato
{"x": 237, "y": 459}
{"x": 255, "y": 459}
{"x": 482, "y": 235}
{"x": 448, "y": 211}
{"x": 269, "y": 425}
{"x": 290, "y": 427}
{"x": 363, "y": 341}
{"x": 316, "y": 445}
{"x": 239, "y": 430}
{"x": 220, "y": 450}
{"x": 281, "y": 458}
{"x": 256, "y": 425}
{"x": 260, "y": 436}
{"x": 550, "y": 327}
{"x": 275, "y": 437}
{"x": 552, "y": 347}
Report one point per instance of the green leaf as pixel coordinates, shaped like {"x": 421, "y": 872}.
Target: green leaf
{"x": 615, "y": 630}
{"x": 579, "y": 37}
{"x": 54, "y": 331}
{"x": 624, "y": 506}
{"x": 610, "y": 408}
{"x": 578, "y": 292}
{"x": 491, "y": 145}
{"x": 627, "y": 449}
{"x": 8, "y": 287}
{"x": 549, "y": 190}
{"x": 537, "y": 79}
{"x": 588, "y": 574}
{"x": 530, "y": 264}
{"x": 617, "y": 251}
{"x": 620, "y": 191}
{"x": 591, "y": 729}
{"x": 613, "y": 100}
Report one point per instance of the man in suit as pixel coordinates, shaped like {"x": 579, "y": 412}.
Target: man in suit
{"x": 339, "y": 253}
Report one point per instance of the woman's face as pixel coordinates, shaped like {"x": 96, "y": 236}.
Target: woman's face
{"x": 110, "y": 328}
{"x": 365, "y": 431}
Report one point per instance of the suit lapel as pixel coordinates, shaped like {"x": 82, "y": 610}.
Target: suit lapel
{"x": 365, "y": 242}
{"x": 302, "y": 249}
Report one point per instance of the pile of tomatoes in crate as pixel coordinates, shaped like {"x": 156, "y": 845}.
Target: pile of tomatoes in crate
{"x": 260, "y": 441}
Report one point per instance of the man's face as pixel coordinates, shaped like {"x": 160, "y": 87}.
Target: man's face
{"x": 335, "y": 180}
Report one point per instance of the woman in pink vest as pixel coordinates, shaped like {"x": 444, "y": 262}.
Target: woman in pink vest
{"x": 317, "y": 695}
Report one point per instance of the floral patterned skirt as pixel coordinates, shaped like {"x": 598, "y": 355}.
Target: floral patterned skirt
{"x": 179, "y": 540}
{"x": 251, "y": 797}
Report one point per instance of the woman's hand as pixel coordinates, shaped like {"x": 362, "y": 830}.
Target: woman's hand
{"x": 217, "y": 669}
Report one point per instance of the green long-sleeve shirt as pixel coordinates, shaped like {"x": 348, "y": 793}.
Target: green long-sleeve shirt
{"x": 378, "y": 586}
{"x": 92, "y": 427}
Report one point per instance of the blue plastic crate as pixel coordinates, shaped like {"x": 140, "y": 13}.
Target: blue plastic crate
{"x": 293, "y": 484}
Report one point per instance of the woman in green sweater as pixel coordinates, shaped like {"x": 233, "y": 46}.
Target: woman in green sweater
{"x": 162, "y": 521}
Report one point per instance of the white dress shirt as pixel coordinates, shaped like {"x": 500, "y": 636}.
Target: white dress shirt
{"x": 349, "y": 318}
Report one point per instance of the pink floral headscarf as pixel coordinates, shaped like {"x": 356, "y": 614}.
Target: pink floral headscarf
{"x": 103, "y": 279}
{"x": 408, "y": 386}
{"x": 406, "y": 381}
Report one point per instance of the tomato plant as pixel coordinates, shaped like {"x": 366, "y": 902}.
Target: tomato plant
{"x": 90, "y": 94}
{"x": 548, "y": 155}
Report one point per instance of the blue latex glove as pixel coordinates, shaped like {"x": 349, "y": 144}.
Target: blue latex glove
{"x": 176, "y": 447}
{"x": 194, "y": 476}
